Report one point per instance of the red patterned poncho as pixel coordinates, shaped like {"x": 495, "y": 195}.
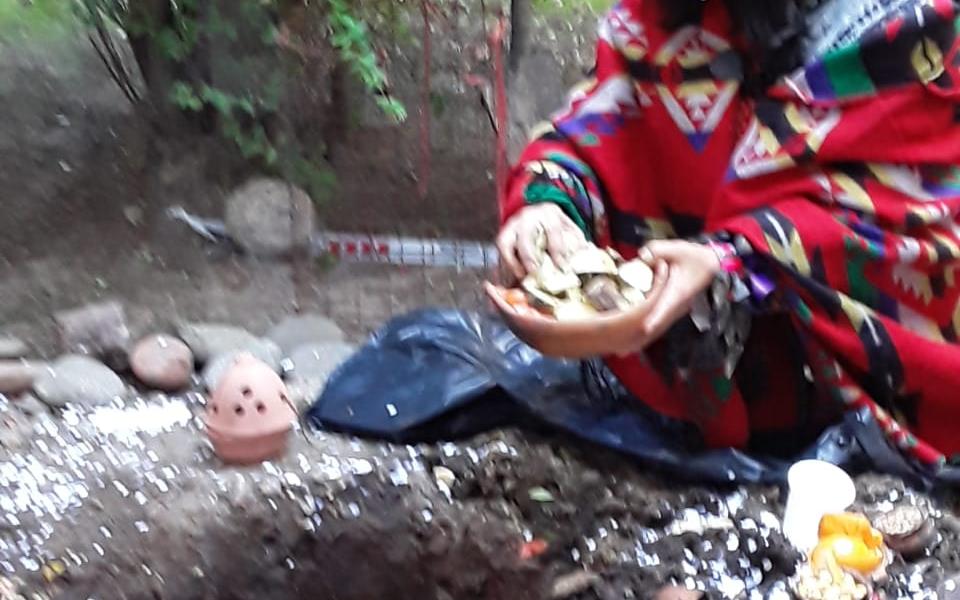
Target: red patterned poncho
{"x": 844, "y": 182}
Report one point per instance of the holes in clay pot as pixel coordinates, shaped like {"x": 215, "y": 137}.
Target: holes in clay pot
{"x": 238, "y": 410}
{"x": 261, "y": 407}
{"x": 216, "y": 409}
{"x": 246, "y": 391}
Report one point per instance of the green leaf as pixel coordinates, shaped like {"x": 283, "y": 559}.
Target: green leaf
{"x": 246, "y": 105}
{"x": 541, "y": 495}
{"x": 270, "y": 155}
{"x": 221, "y": 102}
{"x": 183, "y": 97}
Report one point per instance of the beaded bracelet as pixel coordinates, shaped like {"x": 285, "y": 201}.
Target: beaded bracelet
{"x": 727, "y": 255}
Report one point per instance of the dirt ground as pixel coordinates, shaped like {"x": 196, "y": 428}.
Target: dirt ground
{"x": 84, "y": 197}
{"x": 506, "y": 516}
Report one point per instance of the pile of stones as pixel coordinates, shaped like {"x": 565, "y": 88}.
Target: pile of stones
{"x": 100, "y": 362}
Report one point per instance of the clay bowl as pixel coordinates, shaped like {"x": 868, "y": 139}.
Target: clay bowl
{"x": 579, "y": 339}
{"x": 910, "y": 532}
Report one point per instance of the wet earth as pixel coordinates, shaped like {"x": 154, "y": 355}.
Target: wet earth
{"x": 127, "y": 501}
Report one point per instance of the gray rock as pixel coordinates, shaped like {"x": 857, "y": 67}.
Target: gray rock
{"x": 11, "y": 347}
{"x": 208, "y": 340}
{"x": 16, "y": 376}
{"x": 98, "y": 330}
{"x": 270, "y": 217}
{"x": 298, "y": 330}
{"x": 318, "y": 361}
{"x": 264, "y": 350}
{"x": 75, "y": 379}
{"x": 309, "y": 367}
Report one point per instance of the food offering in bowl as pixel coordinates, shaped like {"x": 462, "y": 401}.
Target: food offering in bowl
{"x": 595, "y": 302}
{"x": 810, "y": 584}
{"x": 907, "y": 530}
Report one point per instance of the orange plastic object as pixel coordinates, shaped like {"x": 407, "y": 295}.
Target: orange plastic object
{"x": 516, "y": 298}
{"x": 848, "y": 541}
{"x": 532, "y": 549}
{"x": 249, "y": 416}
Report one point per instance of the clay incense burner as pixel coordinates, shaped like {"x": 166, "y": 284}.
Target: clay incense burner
{"x": 249, "y": 416}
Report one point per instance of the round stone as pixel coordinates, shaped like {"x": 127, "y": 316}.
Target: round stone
{"x": 270, "y": 217}
{"x": 162, "y": 362}
{"x": 81, "y": 380}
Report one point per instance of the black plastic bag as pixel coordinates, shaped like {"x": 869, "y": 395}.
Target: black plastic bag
{"x": 444, "y": 375}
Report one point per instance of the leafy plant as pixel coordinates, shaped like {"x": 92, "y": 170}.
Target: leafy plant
{"x": 349, "y": 36}
{"x": 177, "y": 36}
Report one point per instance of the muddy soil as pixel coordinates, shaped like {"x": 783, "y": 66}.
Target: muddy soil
{"x": 130, "y": 503}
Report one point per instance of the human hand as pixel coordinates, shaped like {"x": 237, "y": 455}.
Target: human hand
{"x": 691, "y": 269}
{"x": 518, "y": 244}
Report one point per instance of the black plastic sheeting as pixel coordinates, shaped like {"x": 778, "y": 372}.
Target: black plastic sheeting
{"x": 446, "y": 375}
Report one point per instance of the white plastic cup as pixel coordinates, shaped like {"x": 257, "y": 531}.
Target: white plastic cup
{"x": 817, "y": 488}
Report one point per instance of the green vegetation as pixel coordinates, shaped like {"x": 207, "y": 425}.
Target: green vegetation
{"x": 350, "y": 38}
{"x": 248, "y": 44}
{"x": 231, "y": 66}
{"x": 35, "y": 17}
{"x": 563, "y": 7}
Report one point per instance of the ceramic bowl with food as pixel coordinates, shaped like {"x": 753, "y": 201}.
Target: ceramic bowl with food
{"x": 907, "y": 530}
{"x": 596, "y": 303}
{"x": 808, "y": 584}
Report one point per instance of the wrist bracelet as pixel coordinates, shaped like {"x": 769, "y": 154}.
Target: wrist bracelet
{"x": 727, "y": 255}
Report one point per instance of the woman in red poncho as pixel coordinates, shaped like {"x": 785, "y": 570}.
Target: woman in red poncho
{"x": 796, "y": 163}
